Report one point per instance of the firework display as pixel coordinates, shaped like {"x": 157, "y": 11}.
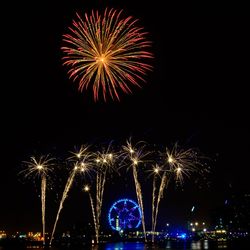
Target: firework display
{"x": 82, "y": 164}
{"x": 135, "y": 155}
{"x": 41, "y": 168}
{"x": 174, "y": 164}
{"x": 104, "y": 163}
{"x": 107, "y": 52}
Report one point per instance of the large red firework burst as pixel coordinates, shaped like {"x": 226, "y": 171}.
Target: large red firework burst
{"x": 107, "y": 52}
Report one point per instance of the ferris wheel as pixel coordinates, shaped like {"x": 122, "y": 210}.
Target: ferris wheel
{"x": 124, "y": 214}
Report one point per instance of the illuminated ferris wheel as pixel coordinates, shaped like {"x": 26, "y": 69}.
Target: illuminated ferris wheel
{"x": 124, "y": 214}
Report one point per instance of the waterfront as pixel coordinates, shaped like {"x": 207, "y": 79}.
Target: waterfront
{"x": 173, "y": 245}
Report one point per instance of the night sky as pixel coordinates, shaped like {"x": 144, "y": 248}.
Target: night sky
{"x": 196, "y": 95}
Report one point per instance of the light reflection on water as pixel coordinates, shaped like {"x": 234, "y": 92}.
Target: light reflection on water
{"x": 125, "y": 246}
{"x": 193, "y": 245}
{"x": 196, "y": 245}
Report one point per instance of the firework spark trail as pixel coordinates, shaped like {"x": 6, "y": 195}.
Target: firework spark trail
{"x": 98, "y": 204}
{"x": 99, "y": 198}
{"x": 182, "y": 163}
{"x": 107, "y": 52}
{"x": 139, "y": 198}
{"x": 164, "y": 183}
{"x": 155, "y": 172}
{"x": 94, "y": 215}
{"x": 105, "y": 161}
{"x": 86, "y": 189}
{"x": 135, "y": 156}
{"x": 43, "y": 200}
{"x": 153, "y": 204}
{"x": 40, "y": 168}
{"x": 100, "y": 184}
{"x": 83, "y": 164}
{"x": 179, "y": 163}
{"x": 160, "y": 195}
{"x": 64, "y": 196}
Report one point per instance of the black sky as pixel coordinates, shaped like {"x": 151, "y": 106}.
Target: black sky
{"x": 196, "y": 95}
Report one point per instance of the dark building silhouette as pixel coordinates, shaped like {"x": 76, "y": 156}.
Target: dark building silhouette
{"x": 234, "y": 214}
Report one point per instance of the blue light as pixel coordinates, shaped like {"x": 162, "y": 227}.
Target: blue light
{"x": 184, "y": 236}
{"x": 124, "y": 214}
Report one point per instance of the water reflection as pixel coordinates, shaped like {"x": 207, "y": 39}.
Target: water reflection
{"x": 125, "y": 246}
{"x": 168, "y": 245}
{"x": 173, "y": 245}
{"x": 205, "y": 244}
{"x": 222, "y": 245}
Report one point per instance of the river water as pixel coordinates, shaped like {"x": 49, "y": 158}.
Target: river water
{"x": 172, "y": 245}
